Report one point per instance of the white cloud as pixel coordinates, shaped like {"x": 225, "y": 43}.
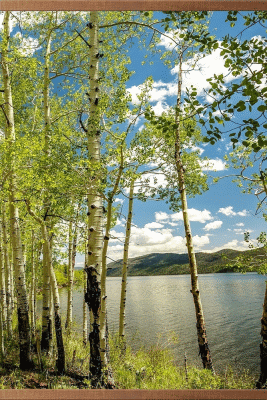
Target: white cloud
{"x": 146, "y": 241}
{"x": 117, "y": 200}
{"x": 240, "y": 224}
{"x": 160, "y": 107}
{"x": 161, "y": 216}
{"x": 240, "y": 231}
{"x": 233, "y": 244}
{"x": 213, "y": 225}
{"x": 194, "y": 215}
{"x": 27, "y": 45}
{"x": 148, "y": 182}
{"x": 212, "y": 165}
{"x": 120, "y": 222}
{"x": 159, "y": 93}
{"x": 167, "y": 42}
{"x": 206, "y": 67}
{"x": 229, "y": 211}
{"x": 153, "y": 225}
{"x": 173, "y": 224}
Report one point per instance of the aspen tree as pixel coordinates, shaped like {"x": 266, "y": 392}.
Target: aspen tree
{"x": 22, "y": 301}
{"x": 9, "y": 300}
{"x": 201, "y": 330}
{"x": 33, "y": 288}
{"x": 70, "y": 279}
{"x": 95, "y": 209}
{"x": 3, "y": 300}
{"x": 125, "y": 263}
{"x": 54, "y": 287}
{"x": 85, "y": 321}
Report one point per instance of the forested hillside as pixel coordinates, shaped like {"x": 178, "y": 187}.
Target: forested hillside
{"x": 178, "y": 264}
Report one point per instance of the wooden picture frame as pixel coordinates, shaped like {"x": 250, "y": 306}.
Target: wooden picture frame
{"x": 119, "y": 5}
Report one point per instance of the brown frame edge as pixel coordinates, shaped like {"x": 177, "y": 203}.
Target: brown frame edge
{"x": 120, "y": 5}
{"x": 133, "y": 394}
{"x": 110, "y": 5}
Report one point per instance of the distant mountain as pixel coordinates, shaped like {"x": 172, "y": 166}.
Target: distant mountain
{"x": 177, "y": 264}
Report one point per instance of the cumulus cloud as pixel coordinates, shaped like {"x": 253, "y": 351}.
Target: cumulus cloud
{"x": 206, "y": 67}
{"x": 213, "y": 165}
{"x": 158, "y": 94}
{"x": 154, "y": 225}
{"x": 159, "y": 108}
{"x": 228, "y": 211}
{"x": 240, "y": 231}
{"x": 27, "y": 45}
{"x": 194, "y": 215}
{"x": 233, "y": 244}
{"x": 161, "y": 216}
{"x": 240, "y": 224}
{"x": 145, "y": 241}
{"x": 117, "y": 200}
{"x": 166, "y": 40}
{"x": 213, "y": 225}
{"x": 148, "y": 182}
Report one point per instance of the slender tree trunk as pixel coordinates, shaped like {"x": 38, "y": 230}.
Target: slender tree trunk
{"x": 2, "y": 340}
{"x": 54, "y": 287}
{"x": 7, "y": 273}
{"x": 263, "y": 345}
{"x": 2, "y": 284}
{"x": 11, "y": 268}
{"x": 58, "y": 326}
{"x": 33, "y": 290}
{"x": 46, "y": 316}
{"x": 70, "y": 280}
{"x": 201, "y": 330}
{"x": 103, "y": 315}
{"x": 125, "y": 264}
{"x": 22, "y": 301}
{"x": 85, "y": 322}
{"x": 95, "y": 209}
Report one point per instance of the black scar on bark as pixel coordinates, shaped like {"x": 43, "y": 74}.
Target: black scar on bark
{"x": 93, "y": 300}
{"x": 26, "y": 364}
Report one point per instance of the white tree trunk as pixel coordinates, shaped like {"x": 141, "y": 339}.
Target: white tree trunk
{"x": 3, "y": 299}
{"x": 95, "y": 209}
{"x": 201, "y": 330}
{"x": 125, "y": 263}
{"x": 7, "y": 273}
{"x": 70, "y": 281}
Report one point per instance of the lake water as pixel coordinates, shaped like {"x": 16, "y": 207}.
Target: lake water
{"x": 157, "y": 305}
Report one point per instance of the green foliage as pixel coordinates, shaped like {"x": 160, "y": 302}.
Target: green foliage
{"x": 248, "y": 87}
{"x": 253, "y": 260}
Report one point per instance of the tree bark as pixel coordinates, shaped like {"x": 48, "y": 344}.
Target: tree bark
{"x": 9, "y": 300}
{"x": 95, "y": 209}
{"x": 125, "y": 264}
{"x": 85, "y": 320}
{"x": 201, "y": 330}
{"x": 68, "y": 323}
{"x": 46, "y": 315}
{"x": 3, "y": 299}
{"x": 54, "y": 287}
{"x": 33, "y": 290}
{"x": 22, "y": 301}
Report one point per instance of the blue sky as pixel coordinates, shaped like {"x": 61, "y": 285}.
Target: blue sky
{"x": 220, "y": 216}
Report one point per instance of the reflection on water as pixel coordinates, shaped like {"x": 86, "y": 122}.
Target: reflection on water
{"x": 156, "y": 305}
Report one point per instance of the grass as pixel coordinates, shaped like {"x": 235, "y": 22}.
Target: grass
{"x": 154, "y": 368}
{"x": 146, "y": 368}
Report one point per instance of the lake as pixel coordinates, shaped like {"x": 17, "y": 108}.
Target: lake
{"x": 157, "y": 305}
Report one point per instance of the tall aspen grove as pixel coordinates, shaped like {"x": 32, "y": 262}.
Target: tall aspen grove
{"x": 133, "y": 200}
